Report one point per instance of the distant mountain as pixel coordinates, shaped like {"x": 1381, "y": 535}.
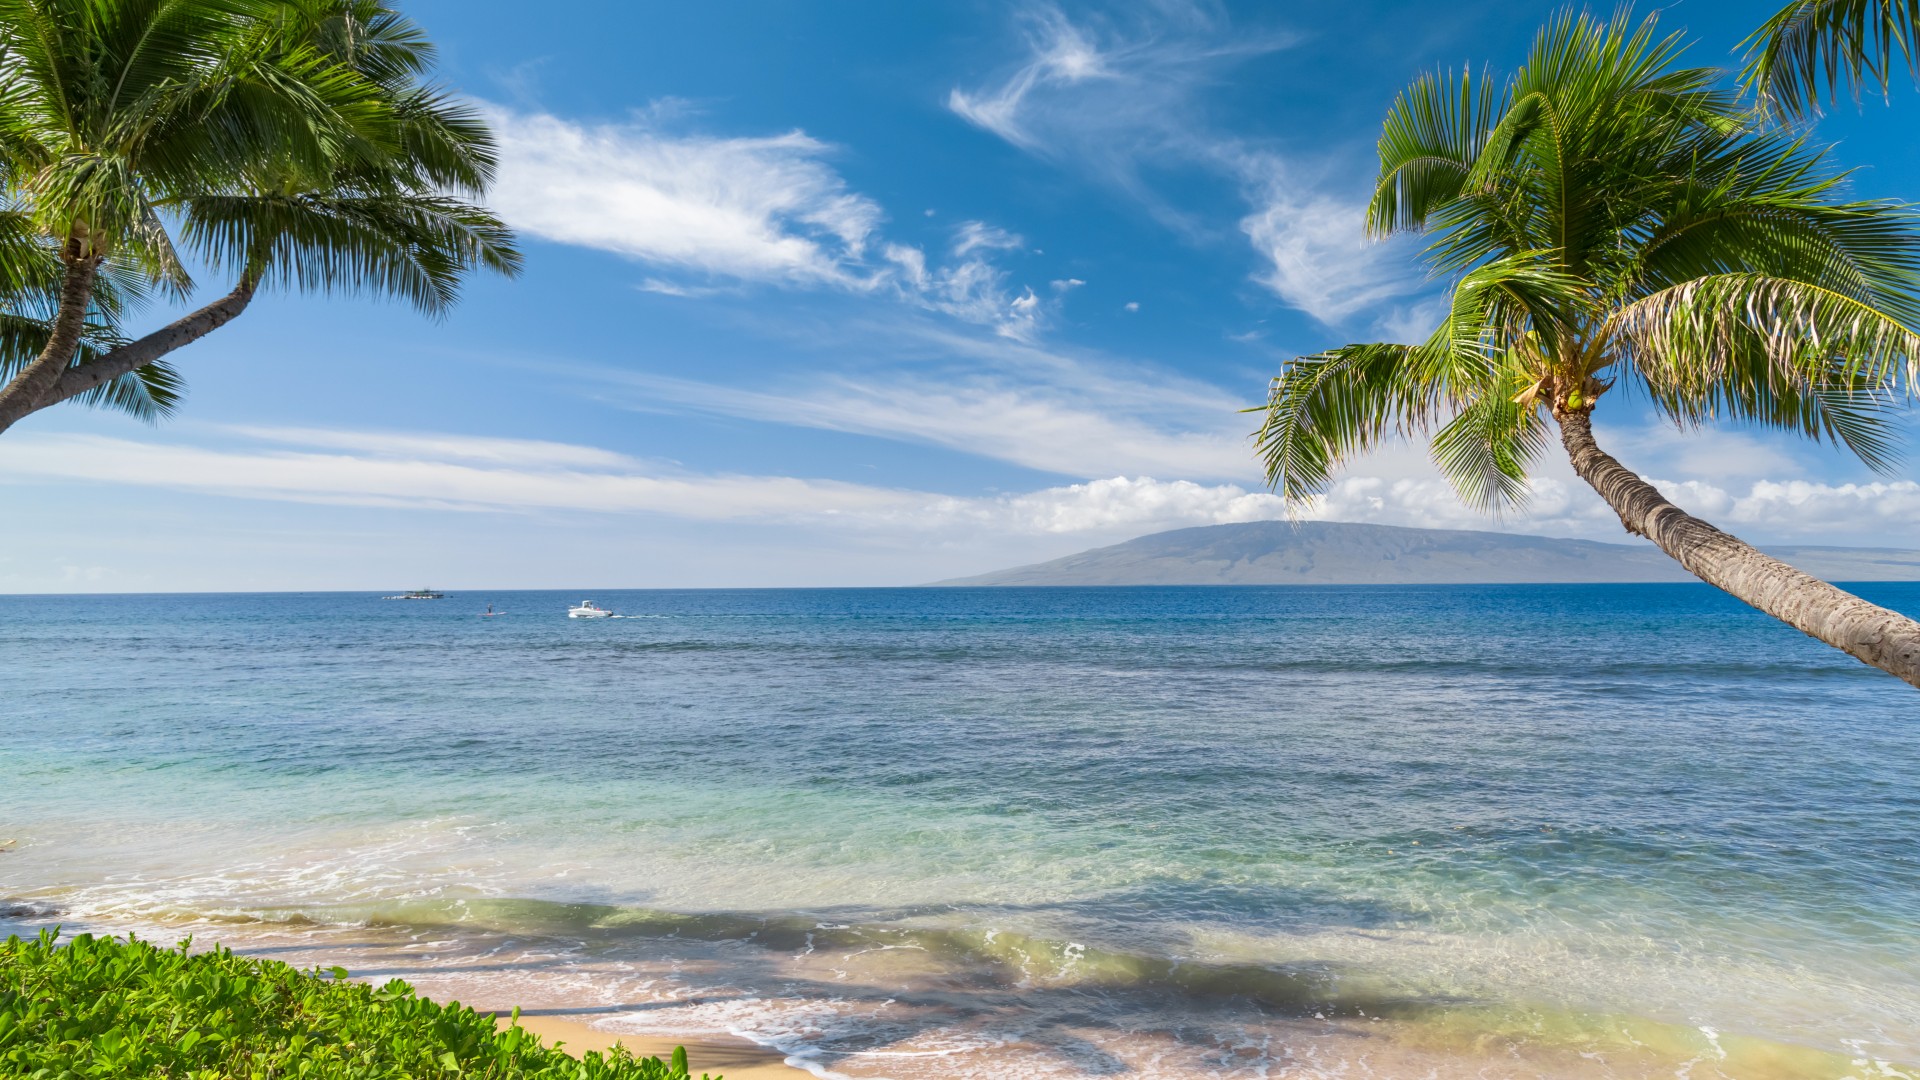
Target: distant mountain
{"x": 1340, "y": 553}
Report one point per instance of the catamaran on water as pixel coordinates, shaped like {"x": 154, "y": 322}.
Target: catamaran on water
{"x": 417, "y": 594}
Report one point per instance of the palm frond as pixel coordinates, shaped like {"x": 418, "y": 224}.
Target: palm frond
{"x": 1612, "y": 218}
{"x": 1326, "y": 409}
{"x": 1486, "y": 449}
{"x": 365, "y": 35}
{"x": 150, "y": 393}
{"x": 1810, "y": 48}
{"x": 1684, "y": 339}
{"x": 416, "y": 248}
{"x": 1522, "y": 295}
{"x": 1827, "y": 404}
{"x": 290, "y": 142}
{"x": 1428, "y": 145}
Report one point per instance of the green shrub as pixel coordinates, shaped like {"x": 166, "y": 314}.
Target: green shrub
{"x": 107, "y": 1009}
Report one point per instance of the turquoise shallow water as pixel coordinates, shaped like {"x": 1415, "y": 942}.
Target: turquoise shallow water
{"x": 1537, "y": 830}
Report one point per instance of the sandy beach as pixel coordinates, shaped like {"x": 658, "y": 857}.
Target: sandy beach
{"x": 732, "y": 1059}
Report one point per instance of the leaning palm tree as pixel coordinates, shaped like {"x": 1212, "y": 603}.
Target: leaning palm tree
{"x": 286, "y": 142}
{"x": 1813, "y": 47}
{"x": 30, "y": 274}
{"x": 1617, "y": 226}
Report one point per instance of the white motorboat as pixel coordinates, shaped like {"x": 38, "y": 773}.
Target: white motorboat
{"x": 587, "y": 609}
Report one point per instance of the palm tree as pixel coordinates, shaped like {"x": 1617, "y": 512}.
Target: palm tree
{"x": 286, "y": 142}
{"x": 1619, "y": 226}
{"x": 1814, "y": 44}
{"x": 30, "y": 271}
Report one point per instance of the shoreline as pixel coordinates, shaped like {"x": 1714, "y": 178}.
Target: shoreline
{"x": 1620, "y": 1046}
{"x": 733, "y": 1059}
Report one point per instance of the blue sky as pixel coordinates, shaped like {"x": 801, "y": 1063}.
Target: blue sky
{"x": 862, "y": 293}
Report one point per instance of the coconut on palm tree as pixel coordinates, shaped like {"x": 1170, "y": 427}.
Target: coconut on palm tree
{"x": 281, "y": 142}
{"x": 1812, "y": 48}
{"x": 1619, "y": 228}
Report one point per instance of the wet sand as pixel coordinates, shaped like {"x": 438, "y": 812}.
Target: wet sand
{"x": 733, "y": 1059}
{"x": 914, "y": 1021}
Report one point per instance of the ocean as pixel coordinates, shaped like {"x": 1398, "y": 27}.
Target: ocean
{"x": 1501, "y": 831}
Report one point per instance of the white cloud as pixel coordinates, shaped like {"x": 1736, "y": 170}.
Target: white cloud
{"x": 1319, "y": 259}
{"x": 759, "y": 209}
{"x": 1712, "y": 452}
{"x": 455, "y": 473}
{"x": 717, "y": 212}
{"x": 1119, "y": 504}
{"x": 1037, "y": 426}
{"x": 685, "y": 290}
{"x": 1804, "y": 508}
{"x": 458, "y": 473}
{"x": 1076, "y": 413}
{"x": 973, "y": 236}
{"x": 443, "y": 473}
{"x": 1412, "y": 324}
{"x": 1062, "y": 55}
{"x": 521, "y": 452}
{"x": 1123, "y": 102}
{"x": 1110, "y": 93}
{"x": 976, "y": 291}
{"x": 375, "y": 473}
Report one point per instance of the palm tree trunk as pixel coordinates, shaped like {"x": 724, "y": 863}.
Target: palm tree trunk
{"x": 1885, "y": 639}
{"x": 22, "y": 395}
{"x": 137, "y": 354}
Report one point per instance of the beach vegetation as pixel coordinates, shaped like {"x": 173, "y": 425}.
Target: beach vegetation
{"x": 294, "y": 144}
{"x": 119, "y": 1009}
{"x": 1813, "y": 49}
{"x": 1617, "y": 228}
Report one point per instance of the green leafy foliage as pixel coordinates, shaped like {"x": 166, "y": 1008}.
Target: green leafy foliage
{"x": 289, "y": 144}
{"x": 1812, "y": 48}
{"x": 1612, "y": 221}
{"x": 111, "y": 1009}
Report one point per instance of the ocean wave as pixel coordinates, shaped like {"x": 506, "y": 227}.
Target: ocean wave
{"x": 921, "y": 1001}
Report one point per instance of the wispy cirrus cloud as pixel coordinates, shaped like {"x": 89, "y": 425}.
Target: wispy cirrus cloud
{"x": 440, "y": 473}
{"x": 437, "y": 473}
{"x": 1125, "y": 99}
{"x": 1053, "y": 408}
{"x": 1113, "y": 94}
{"x": 710, "y": 214}
{"x": 1017, "y": 109}
{"x": 464, "y": 448}
{"x": 970, "y": 286}
{"x": 1317, "y": 258}
{"x": 459, "y": 473}
{"x": 972, "y": 236}
{"x": 1020, "y": 423}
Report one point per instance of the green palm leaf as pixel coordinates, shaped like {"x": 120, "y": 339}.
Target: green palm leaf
{"x": 1682, "y": 339}
{"x": 1610, "y": 218}
{"x": 150, "y": 393}
{"x": 1810, "y": 48}
{"x": 288, "y": 143}
{"x": 1333, "y": 406}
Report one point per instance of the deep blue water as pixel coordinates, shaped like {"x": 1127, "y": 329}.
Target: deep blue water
{"x": 1598, "y": 801}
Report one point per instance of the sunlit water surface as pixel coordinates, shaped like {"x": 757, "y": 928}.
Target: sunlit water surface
{"x": 1613, "y": 831}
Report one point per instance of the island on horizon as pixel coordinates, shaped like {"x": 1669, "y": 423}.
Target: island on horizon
{"x": 1351, "y": 553}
